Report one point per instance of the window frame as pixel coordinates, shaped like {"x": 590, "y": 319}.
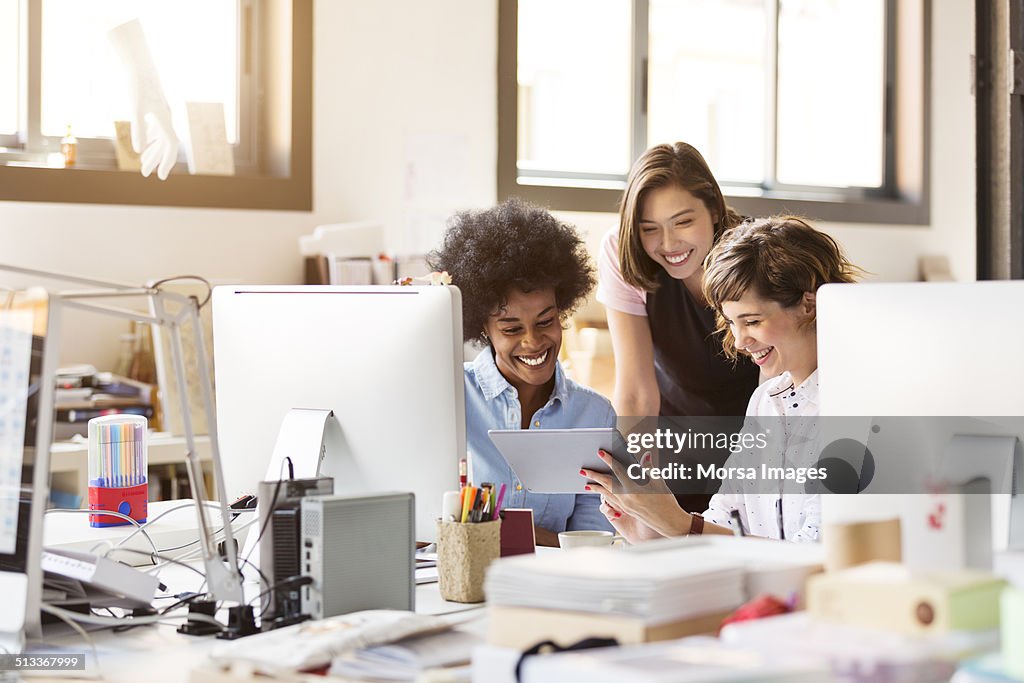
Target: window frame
{"x": 902, "y": 198}
{"x": 273, "y": 154}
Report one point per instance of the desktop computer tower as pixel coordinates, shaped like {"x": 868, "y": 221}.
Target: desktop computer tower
{"x": 280, "y": 519}
{"x": 360, "y": 553}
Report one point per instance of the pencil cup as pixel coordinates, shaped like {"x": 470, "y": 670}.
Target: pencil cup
{"x": 463, "y": 553}
{"x": 117, "y": 468}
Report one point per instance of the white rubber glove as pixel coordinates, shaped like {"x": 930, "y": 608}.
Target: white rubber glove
{"x": 153, "y": 134}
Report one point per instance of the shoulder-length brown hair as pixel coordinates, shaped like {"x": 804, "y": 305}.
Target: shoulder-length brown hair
{"x": 678, "y": 165}
{"x": 779, "y": 258}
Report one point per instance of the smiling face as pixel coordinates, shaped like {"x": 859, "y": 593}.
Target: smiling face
{"x": 676, "y": 230}
{"x": 526, "y": 334}
{"x": 776, "y": 338}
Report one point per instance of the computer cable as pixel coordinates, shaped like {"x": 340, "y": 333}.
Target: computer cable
{"x": 118, "y": 621}
{"x": 65, "y": 616}
{"x": 187, "y": 556}
{"x": 273, "y": 502}
{"x": 112, "y": 514}
{"x": 221, "y": 529}
{"x": 164, "y": 559}
{"x": 290, "y": 582}
{"x": 164, "y": 514}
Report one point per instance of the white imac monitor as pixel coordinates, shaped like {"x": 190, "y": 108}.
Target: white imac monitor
{"x": 24, "y": 468}
{"x": 939, "y": 350}
{"x": 387, "y": 360}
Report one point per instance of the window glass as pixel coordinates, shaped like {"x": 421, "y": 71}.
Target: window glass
{"x": 831, "y": 92}
{"x": 706, "y": 82}
{"x": 9, "y": 46}
{"x": 194, "y": 45}
{"x": 574, "y": 85}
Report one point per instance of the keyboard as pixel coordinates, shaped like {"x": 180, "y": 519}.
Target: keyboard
{"x": 313, "y": 644}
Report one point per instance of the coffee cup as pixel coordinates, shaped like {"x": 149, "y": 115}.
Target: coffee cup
{"x": 581, "y": 538}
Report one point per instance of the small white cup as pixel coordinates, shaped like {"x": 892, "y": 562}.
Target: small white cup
{"x": 579, "y": 539}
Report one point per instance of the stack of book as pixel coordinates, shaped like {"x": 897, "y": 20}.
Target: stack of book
{"x": 605, "y": 592}
{"x": 82, "y": 393}
{"x": 658, "y": 590}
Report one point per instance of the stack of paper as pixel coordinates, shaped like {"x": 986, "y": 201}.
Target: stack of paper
{"x": 665, "y": 585}
{"x": 407, "y": 659}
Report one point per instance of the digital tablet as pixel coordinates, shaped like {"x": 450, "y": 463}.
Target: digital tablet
{"x": 549, "y": 460}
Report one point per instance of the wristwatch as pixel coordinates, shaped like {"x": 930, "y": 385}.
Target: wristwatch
{"x": 696, "y": 524}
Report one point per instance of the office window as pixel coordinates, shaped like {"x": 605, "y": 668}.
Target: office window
{"x": 8, "y": 70}
{"x": 787, "y": 99}
{"x": 82, "y": 79}
{"x": 59, "y": 69}
{"x": 570, "y": 92}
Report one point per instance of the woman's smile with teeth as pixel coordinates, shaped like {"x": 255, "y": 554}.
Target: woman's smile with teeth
{"x": 677, "y": 259}
{"x": 533, "y": 361}
{"x": 758, "y": 356}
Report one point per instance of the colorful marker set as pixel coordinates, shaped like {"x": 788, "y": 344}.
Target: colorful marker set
{"x": 118, "y": 468}
{"x": 481, "y": 504}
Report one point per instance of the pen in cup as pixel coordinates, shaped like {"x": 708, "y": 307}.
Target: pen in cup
{"x": 497, "y": 504}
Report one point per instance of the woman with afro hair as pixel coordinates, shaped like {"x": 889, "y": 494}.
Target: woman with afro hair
{"x": 522, "y": 273}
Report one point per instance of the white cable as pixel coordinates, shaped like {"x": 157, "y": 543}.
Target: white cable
{"x": 112, "y": 514}
{"x": 63, "y": 615}
{"x": 163, "y": 514}
{"x": 186, "y": 556}
{"x": 166, "y": 561}
{"x": 125, "y": 621}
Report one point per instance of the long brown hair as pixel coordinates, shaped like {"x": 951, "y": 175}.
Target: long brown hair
{"x": 680, "y": 165}
{"x": 778, "y": 258}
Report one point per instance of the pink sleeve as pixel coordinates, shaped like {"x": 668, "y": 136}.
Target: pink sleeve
{"x": 612, "y": 290}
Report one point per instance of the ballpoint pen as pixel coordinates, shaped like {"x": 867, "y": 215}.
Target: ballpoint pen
{"x": 738, "y": 529}
{"x": 778, "y": 511}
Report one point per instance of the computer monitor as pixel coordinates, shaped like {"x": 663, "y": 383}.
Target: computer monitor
{"x": 25, "y": 434}
{"x": 386, "y": 360}
{"x": 939, "y": 350}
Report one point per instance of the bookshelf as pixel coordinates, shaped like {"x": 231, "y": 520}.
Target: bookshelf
{"x": 69, "y": 465}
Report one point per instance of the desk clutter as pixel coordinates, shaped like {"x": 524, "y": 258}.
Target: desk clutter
{"x": 81, "y": 394}
{"x": 658, "y": 591}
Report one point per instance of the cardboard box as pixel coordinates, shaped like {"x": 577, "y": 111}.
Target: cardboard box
{"x": 891, "y": 597}
{"x": 523, "y": 627}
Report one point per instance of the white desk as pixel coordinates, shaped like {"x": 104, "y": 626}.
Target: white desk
{"x": 157, "y": 653}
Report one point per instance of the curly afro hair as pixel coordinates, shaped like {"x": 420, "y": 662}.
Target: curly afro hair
{"x": 513, "y": 245}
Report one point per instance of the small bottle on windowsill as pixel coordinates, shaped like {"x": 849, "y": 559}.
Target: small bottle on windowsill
{"x": 69, "y": 148}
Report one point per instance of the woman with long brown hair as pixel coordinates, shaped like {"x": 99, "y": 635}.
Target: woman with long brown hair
{"x": 667, "y": 359}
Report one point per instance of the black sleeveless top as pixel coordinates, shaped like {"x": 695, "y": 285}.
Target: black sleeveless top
{"x": 694, "y": 376}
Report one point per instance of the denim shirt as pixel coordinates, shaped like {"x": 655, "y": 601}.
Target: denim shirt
{"x": 493, "y": 403}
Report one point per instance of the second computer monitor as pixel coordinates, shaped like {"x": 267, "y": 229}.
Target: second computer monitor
{"x": 386, "y": 360}
{"x": 944, "y": 354}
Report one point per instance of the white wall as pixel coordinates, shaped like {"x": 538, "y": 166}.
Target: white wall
{"x": 392, "y": 79}
{"x": 384, "y": 71}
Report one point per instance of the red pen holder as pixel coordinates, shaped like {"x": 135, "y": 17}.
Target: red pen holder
{"x": 118, "y": 480}
{"x": 129, "y": 500}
